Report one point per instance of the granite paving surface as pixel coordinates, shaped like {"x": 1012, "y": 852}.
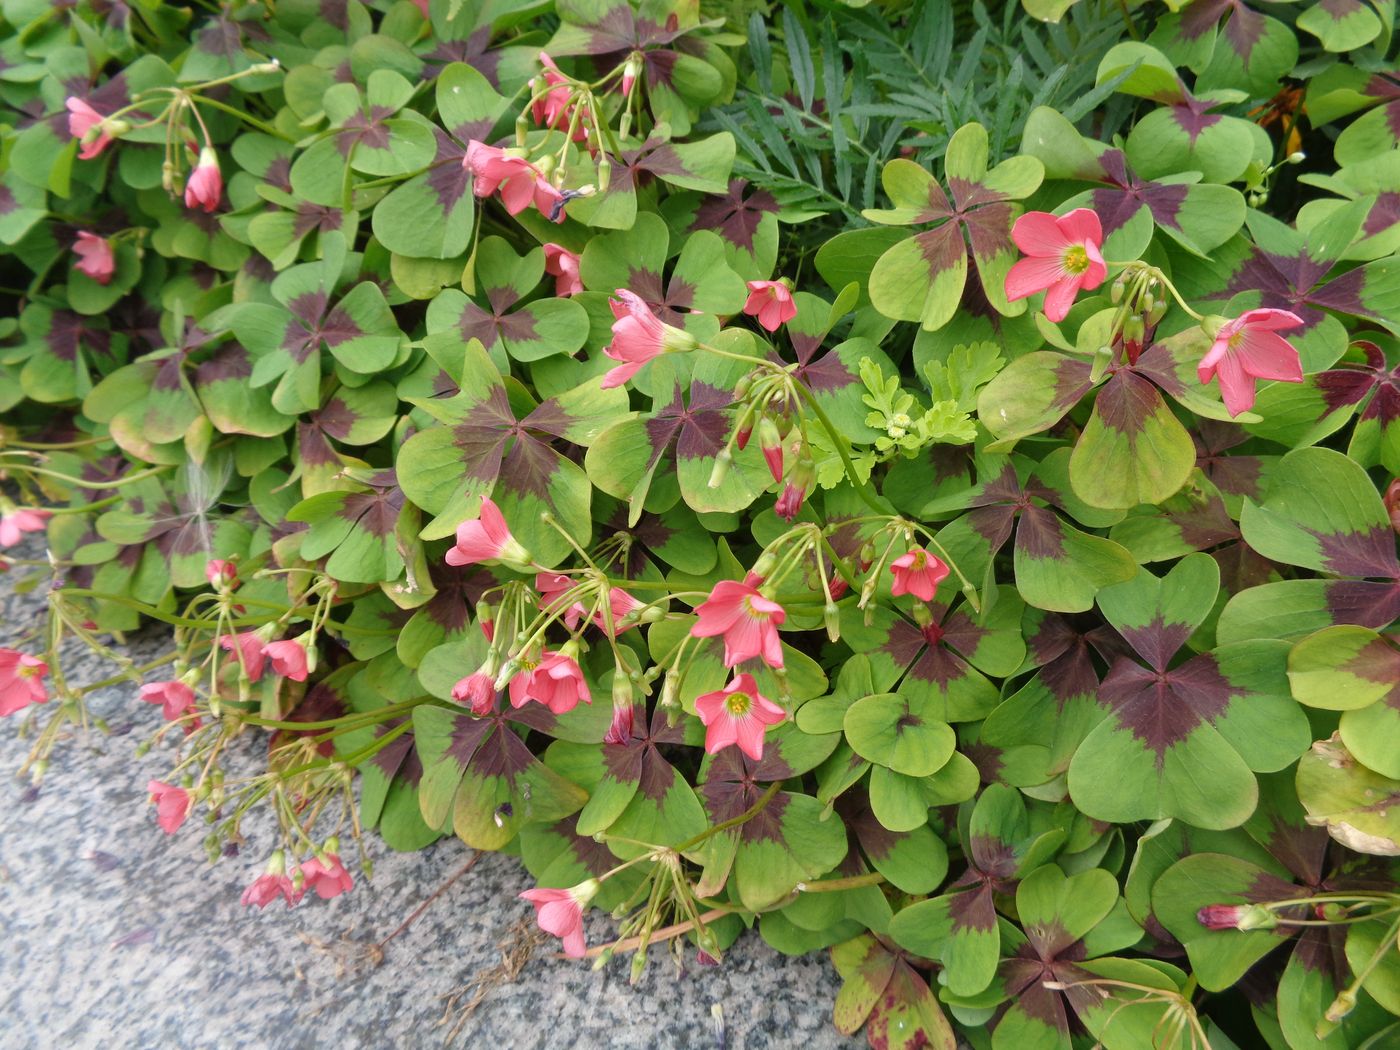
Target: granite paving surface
{"x": 116, "y": 936}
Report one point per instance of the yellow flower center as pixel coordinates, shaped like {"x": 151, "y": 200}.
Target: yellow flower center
{"x": 738, "y": 704}
{"x": 920, "y": 560}
{"x": 27, "y": 671}
{"x": 1076, "y": 259}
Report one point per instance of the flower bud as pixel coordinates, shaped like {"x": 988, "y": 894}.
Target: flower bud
{"x": 721, "y": 468}
{"x": 831, "y": 620}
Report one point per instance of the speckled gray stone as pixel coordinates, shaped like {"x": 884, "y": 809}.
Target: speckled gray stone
{"x": 117, "y": 936}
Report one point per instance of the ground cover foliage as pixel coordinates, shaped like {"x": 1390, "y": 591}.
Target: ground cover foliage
{"x": 917, "y": 480}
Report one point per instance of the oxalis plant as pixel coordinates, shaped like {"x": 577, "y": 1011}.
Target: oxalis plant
{"x": 993, "y": 582}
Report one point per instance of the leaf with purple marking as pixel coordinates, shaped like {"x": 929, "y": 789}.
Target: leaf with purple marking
{"x": 359, "y": 330}
{"x": 149, "y": 402}
{"x": 1373, "y": 133}
{"x": 1037, "y": 729}
{"x": 1031, "y": 395}
{"x": 960, "y": 929}
{"x": 635, "y": 793}
{"x": 788, "y": 841}
{"x": 1059, "y": 914}
{"x": 1060, "y": 568}
{"x": 431, "y": 215}
{"x": 881, "y": 987}
{"x": 1356, "y": 671}
{"x": 231, "y": 404}
{"x": 1343, "y": 25}
{"x": 1182, "y": 135}
{"x": 701, "y": 286}
{"x": 1183, "y": 740}
{"x": 833, "y": 376}
{"x": 1376, "y": 180}
{"x": 1322, "y": 512}
{"x": 61, "y": 350}
{"x": 350, "y": 415}
{"x": 362, "y": 533}
{"x": 1199, "y": 216}
{"x": 1228, "y": 44}
{"x": 180, "y": 523}
{"x": 496, "y": 317}
{"x": 480, "y": 778}
{"x": 922, "y": 278}
{"x": 1133, "y": 449}
{"x": 702, "y": 165}
{"x": 746, "y": 223}
{"x": 939, "y": 668}
{"x": 489, "y": 445}
{"x": 688, "y": 431}
{"x": 372, "y": 134}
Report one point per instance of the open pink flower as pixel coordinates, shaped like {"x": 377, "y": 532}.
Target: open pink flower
{"x": 82, "y": 118}
{"x": 220, "y": 573}
{"x": 175, "y": 697}
{"x": 556, "y": 681}
{"x": 95, "y": 258}
{"x": 478, "y": 690}
{"x": 638, "y": 335}
{"x": 737, "y": 714}
{"x": 562, "y": 265}
{"x": 252, "y": 651}
{"x": 770, "y": 302}
{"x": 1249, "y": 348}
{"x": 327, "y": 878}
{"x": 748, "y": 621}
{"x": 518, "y": 182}
{"x": 918, "y": 573}
{"x": 288, "y": 659}
{"x": 205, "y": 186}
{"x": 16, "y": 521}
{"x": 486, "y": 538}
{"x": 1063, "y": 257}
{"x": 560, "y": 912}
{"x": 267, "y": 887}
{"x": 20, "y": 683}
{"x": 553, "y": 108}
{"x": 172, "y": 805}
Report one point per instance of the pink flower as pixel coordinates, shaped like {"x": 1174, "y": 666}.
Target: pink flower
{"x": 95, "y": 258}
{"x": 556, "y": 681}
{"x": 518, "y": 181}
{"x": 1249, "y": 348}
{"x": 486, "y": 538}
{"x": 221, "y": 574}
{"x": 789, "y": 504}
{"x": 560, "y": 912}
{"x": 1063, "y": 257}
{"x": 176, "y": 698}
{"x": 172, "y": 805}
{"x": 19, "y": 681}
{"x": 478, "y": 690}
{"x": 620, "y": 729}
{"x": 82, "y": 118}
{"x": 638, "y": 335}
{"x": 288, "y": 659}
{"x": 748, "y": 621}
{"x": 251, "y": 652}
{"x": 771, "y": 302}
{"x": 918, "y": 573}
{"x": 562, "y": 265}
{"x": 553, "y": 108}
{"x": 737, "y": 714}
{"x": 19, "y": 520}
{"x": 328, "y": 878}
{"x": 205, "y": 186}
{"x": 267, "y": 887}
{"x": 630, "y": 72}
